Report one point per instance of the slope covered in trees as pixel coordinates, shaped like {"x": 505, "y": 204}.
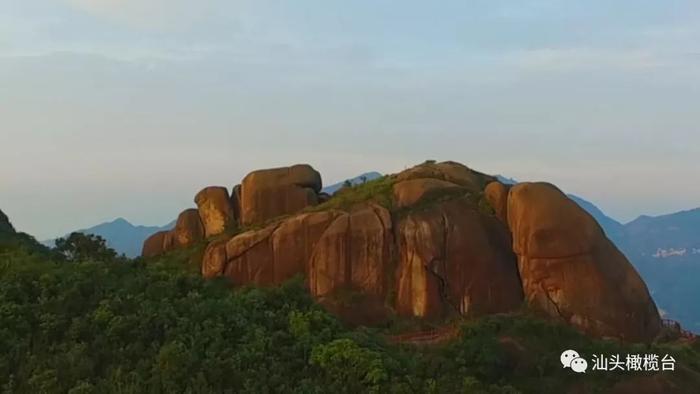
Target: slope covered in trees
{"x": 110, "y": 326}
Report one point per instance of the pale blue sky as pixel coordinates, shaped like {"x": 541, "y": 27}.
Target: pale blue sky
{"x": 128, "y": 107}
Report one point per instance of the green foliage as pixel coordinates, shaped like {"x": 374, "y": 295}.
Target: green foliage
{"x": 155, "y": 326}
{"x": 377, "y": 190}
{"x": 83, "y": 247}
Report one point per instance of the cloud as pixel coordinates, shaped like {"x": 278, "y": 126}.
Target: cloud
{"x": 151, "y": 14}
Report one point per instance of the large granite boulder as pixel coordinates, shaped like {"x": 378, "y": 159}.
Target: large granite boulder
{"x": 354, "y": 254}
{"x": 412, "y": 191}
{"x": 154, "y": 245}
{"x": 267, "y": 194}
{"x": 188, "y": 229}
{"x": 448, "y": 171}
{"x": 215, "y": 210}
{"x": 455, "y": 260}
{"x": 570, "y": 270}
{"x": 276, "y": 253}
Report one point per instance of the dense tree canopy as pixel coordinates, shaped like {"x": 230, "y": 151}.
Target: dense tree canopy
{"x": 83, "y": 247}
{"x": 113, "y": 326}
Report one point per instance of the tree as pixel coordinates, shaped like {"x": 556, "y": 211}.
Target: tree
{"x": 82, "y": 247}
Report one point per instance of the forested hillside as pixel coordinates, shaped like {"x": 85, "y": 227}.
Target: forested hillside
{"x": 112, "y": 326}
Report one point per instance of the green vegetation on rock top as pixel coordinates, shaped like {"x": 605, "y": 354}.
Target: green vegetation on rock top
{"x": 378, "y": 191}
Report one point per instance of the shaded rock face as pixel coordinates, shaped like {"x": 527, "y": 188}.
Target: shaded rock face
{"x": 5, "y": 225}
{"x": 154, "y": 245}
{"x": 448, "y": 171}
{"x": 570, "y": 270}
{"x": 215, "y": 210}
{"x": 496, "y": 194}
{"x": 412, "y": 191}
{"x": 236, "y": 202}
{"x": 453, "y": 260}
{"x": 267, "y": 194}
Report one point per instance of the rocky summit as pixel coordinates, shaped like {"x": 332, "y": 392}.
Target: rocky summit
{"x": 435, "y": 241}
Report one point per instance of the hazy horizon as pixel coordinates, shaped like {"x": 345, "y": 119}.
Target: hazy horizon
{"x": 127, "y": 108}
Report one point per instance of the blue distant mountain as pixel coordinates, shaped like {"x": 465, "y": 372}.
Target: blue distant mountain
{"x": 122, "y": 236}
{"x": 368, "y": 176}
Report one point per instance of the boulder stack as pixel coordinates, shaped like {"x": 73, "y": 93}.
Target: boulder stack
{"x": 432, "y": 250}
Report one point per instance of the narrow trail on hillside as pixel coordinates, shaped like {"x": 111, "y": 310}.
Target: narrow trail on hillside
{"x": 429, "y": 337}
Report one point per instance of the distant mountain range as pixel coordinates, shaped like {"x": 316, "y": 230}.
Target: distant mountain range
{"x": 121, "y": 235}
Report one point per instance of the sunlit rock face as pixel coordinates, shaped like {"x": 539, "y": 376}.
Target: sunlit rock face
{"x": 570, "y": 270}
{"x": 215, "y": 210}
{"x": 440, "y": 240}
{"x": 453, "y": 259}
{"x": 267, "y": 194}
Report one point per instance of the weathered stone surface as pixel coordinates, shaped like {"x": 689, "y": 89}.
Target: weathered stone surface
{"x": 294, "y": 241}
{"x": 496, "y": 194}
{"x": 413, "y": 191}
{"x": 267, "y": 194}
{"x": 215, "y": 210}
{"x": 277, "y": 252}
{"x": 250, "y": 259}
{"x": 570, "y": 270}
{"x": 188, "y": 228}
{"x": 449, "y": 171}
{"x": 154, "y": 245}
{"x": 452, "y": 259}
{"x": 353, "y": 254}
{"x": 302, "y": 175}
{"x": 214, "y": 259}
{"x": 268, "y": 203}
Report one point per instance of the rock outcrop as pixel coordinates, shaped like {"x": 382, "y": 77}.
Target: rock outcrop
{"x": 215, "y": 210}
{"x": 188, "y": 230}
{"x": 354, "y": 254}
{"x": 448, "y": 171}
{"x": 412, "y": 191}
{"x": 454, "y": 260}
{"x": 276, "y": 253}
{"x": 267, "y": 194}
{"x": 432, "y": 249}
{"x": 570, "y": 270}
{"x": 5, "y": 225}
{"x": 155, "y": 244}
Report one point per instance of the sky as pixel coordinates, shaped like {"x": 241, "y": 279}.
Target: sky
{"x": 126, "y": 108}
